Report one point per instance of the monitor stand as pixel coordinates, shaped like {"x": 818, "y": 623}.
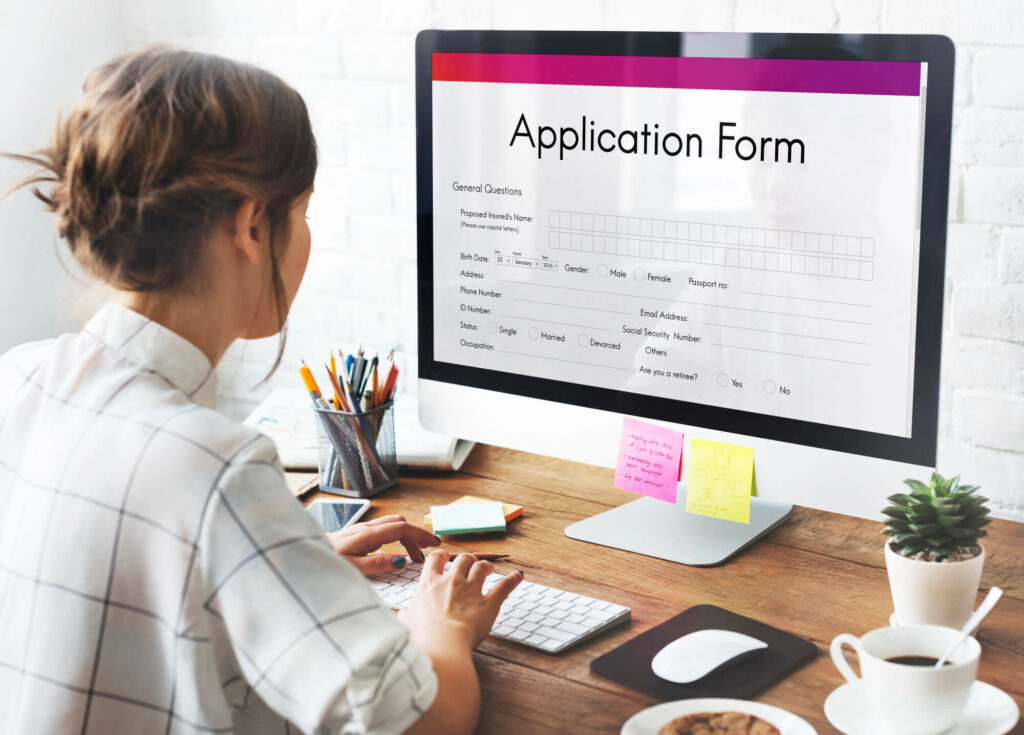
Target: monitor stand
{"x": 666, "y": 531}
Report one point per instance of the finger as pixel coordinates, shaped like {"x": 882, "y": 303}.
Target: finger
{"x": 463, "y": 563}
{"x": 376, "y": 536}
{"x": 413, "y": 549}
{"x": 434, "y": 564}
{"x": 378, "y": 563}
{"x": 503, "y": 588}
{"x": 415, "y": 537}
{"x": 478, "y": 573}
{"x": 384, "y": 519}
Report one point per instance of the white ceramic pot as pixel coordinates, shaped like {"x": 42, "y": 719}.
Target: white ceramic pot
{"x": 933, "y": 593}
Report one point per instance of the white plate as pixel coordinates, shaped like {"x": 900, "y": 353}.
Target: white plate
{"x": 989, "y": 711}
{"x": 650, "y": 720}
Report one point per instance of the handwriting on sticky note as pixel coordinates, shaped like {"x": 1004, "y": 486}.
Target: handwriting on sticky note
{"x": 648, "y": 461}
{"x": 720, "y": 480}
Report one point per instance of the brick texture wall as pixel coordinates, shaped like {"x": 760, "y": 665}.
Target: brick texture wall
{"x": 353, "y": 62}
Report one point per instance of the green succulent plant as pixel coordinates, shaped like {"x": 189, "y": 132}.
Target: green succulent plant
{"x": 939, "y": 517}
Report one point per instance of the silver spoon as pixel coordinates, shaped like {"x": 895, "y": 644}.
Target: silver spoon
{"x": 973, "y": 622}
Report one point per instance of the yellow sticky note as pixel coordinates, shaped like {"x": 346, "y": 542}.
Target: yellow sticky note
{"x": 720, "y": 480}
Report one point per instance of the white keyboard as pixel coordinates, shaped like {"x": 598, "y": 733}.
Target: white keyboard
{"x": 534, "y": 616}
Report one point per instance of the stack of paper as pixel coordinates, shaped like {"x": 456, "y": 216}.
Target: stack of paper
{"x": 456, "y": 518}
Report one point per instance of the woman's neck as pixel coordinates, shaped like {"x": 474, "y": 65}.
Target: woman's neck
{"x": 201, "y": 321}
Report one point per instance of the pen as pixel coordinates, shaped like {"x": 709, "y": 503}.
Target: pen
{"x": 352, "y": 397}
{"x": 357, "y": 372}
{"x": 365, "y": 377}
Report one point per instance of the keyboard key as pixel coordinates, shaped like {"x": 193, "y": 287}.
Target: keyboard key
{"x": 502, "y": 630}
{"x": 572, "y": 628}
{"x": 529, "y": 627}
{"x": 536, "y": 640}
{"x": 551, "y": 644}
{"x": 519, "y": 635}
{"x": 558, "y": 635}
{"x": 577, "y": 618}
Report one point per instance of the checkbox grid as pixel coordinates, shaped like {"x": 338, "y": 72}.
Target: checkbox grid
{"x": 811, "y": 253}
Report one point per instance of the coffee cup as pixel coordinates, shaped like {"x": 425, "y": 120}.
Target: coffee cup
{"x": 911, "y": 697}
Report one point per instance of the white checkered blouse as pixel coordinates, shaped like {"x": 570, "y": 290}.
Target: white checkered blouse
{"x": 156, "y": 576}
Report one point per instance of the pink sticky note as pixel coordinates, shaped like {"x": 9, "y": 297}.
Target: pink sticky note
{"x": 649, "y": 460}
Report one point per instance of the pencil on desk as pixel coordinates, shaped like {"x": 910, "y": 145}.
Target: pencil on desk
{"x": 379, "y": 394}
{"x": 483, "y": 556}
{"x": 311, "y": 386}
{"x": 393, "y": 384}
{"x": 339, "y": 398}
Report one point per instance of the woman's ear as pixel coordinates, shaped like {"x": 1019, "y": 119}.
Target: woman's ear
{"x": 249, "y": 227}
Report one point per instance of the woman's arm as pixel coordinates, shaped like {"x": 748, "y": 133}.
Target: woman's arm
{"x": 448, "y": 617}
{"x": 457, "y": 706}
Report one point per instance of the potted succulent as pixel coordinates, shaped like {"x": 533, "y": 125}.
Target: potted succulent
{"x": 933, "y": 556}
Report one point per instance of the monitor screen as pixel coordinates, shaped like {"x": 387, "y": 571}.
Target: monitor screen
{"x": 730, "y": 241}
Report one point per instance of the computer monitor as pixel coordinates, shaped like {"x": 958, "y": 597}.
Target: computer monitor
{"x": 738, "y": 235}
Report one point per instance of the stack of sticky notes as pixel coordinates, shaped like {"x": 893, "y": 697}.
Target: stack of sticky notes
{"x": 470, "y": 514}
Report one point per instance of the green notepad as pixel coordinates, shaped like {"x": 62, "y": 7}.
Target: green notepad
{"x": 449, "y": 520}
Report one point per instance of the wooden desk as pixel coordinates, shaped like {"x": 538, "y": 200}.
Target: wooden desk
{"x": 818, "y": 575}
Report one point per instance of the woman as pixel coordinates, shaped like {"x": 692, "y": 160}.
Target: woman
{"x": 155, "y": 573}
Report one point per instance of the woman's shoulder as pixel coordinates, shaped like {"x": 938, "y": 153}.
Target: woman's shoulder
{"x": 222, "y": 437}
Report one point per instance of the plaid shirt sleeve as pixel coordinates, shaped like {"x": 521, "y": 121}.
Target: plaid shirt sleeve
{"x": 310, "y": 635}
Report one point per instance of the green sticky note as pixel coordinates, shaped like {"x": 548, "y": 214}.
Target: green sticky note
{"x": 720, "y": 480}
{"x": 449, "y": 520}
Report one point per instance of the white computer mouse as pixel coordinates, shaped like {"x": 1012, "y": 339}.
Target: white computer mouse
{"x": 697, "y": 654}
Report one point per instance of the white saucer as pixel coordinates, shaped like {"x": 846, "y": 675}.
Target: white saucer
{"x": 989, "y": 711}
{"x": 650, "y": 720}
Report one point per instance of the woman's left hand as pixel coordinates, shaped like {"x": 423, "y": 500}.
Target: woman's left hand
{"x": 357, "y": 543}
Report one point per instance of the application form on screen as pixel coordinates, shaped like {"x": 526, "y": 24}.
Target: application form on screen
{"x": 741, "y": 233}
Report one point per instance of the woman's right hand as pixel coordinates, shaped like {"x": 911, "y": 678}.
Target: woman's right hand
{"x": 454, "y": 601}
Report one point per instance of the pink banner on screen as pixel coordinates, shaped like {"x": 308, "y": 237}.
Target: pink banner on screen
{"x": 756, "y": 75}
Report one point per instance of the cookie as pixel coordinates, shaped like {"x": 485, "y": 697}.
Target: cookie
{"x": 718, "y": 723}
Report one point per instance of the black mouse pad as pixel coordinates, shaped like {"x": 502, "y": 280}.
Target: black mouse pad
{"x": 630, "y": 663}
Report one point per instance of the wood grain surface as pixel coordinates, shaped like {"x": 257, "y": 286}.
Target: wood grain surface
{"x": 818, "y": 575}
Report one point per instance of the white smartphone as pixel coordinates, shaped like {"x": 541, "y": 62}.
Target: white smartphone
{"x": 334, "y": 514}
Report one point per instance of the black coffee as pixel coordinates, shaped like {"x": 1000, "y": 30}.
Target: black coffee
{"x": 915, "y": 661}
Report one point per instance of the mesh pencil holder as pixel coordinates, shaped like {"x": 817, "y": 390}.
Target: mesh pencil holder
{"x": 356, "y": 451}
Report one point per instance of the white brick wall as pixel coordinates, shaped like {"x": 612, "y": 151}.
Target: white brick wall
{"x": 353, "y": 61}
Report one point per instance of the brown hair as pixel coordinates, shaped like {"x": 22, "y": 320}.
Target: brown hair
{"x": 163, "y": 145}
